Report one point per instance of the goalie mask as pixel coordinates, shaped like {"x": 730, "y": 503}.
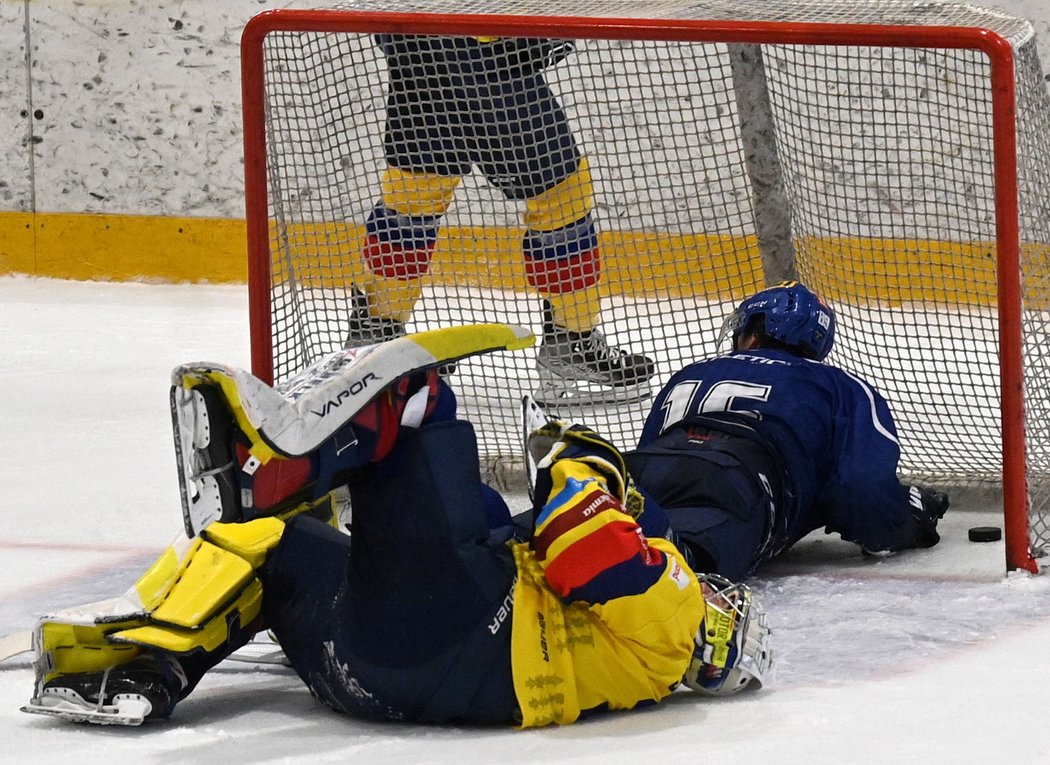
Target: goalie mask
{"x": 733, "y": 647}
{"x": 795, "y": 316}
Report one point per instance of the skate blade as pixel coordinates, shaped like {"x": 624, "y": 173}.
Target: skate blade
{"x": 557, "y": 392}
{"x": 126, "y": 709}
{"x": 261, "y": 650}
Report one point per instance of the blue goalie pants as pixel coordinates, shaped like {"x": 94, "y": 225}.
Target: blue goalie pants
{"x": 407, "y": 618}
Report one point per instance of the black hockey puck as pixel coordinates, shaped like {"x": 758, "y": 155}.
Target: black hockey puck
{"x": 985, "y": 534}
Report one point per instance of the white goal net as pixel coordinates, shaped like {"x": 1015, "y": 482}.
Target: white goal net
{"x": 676, "y": 156}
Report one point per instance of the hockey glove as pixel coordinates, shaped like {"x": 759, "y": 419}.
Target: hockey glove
{"x": 927, "y": 507}
{"x": 558, "y": 440}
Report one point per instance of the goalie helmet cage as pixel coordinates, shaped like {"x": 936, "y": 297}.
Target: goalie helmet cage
{"x": 894, "y": 156}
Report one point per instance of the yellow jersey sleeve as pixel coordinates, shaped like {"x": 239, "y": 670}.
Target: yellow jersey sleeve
{"x": 571, "y": 657}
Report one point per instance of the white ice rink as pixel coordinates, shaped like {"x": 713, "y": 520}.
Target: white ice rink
{"x": 931, "y": 657}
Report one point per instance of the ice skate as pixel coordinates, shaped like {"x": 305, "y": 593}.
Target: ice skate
{"x": 127, "y": 694}
{"x": 366, "y": 329}
{"x": 582, "y": 368}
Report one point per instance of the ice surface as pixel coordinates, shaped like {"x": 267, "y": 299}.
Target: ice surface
{"x": 930, "y": 657}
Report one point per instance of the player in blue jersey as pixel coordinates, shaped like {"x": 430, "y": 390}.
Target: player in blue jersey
{"x": 744, "y": 454}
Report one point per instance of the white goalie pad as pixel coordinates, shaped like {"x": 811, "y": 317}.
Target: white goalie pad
{"x": 300, "y": 414}
{"x": 296, "y": 417}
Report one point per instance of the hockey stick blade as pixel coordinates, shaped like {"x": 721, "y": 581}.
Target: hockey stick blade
{"x": 15, "y": 644}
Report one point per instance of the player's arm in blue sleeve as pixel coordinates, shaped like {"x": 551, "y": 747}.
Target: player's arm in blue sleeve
{"x": 865, "y": 501}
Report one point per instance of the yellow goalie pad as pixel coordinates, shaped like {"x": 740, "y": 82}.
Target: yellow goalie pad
{"x": 187, "y": 601}
{"x": 67, "y": 648}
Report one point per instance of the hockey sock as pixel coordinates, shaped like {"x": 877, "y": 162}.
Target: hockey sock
{"x": 400, "y": 236}
{"x": 561, "y": 250}
{"x": 563, "y": 261}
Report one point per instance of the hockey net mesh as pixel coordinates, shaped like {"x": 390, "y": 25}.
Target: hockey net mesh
{"x": 885, "y": 155}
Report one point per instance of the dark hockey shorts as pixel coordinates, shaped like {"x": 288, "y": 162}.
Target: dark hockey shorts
{"x": 719, "y": 495}
{"x": 456, "y": 102}
{"x": 401, "y": 620}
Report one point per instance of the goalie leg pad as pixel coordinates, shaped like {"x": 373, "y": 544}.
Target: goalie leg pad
{"x": 215, "y": 597}
{"x": 200, "y": 600}
{"x": 312, "y": 408}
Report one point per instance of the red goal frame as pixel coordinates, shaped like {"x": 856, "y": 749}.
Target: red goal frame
{"x": 994, "y": 46}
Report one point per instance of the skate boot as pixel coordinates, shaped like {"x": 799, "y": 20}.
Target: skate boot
{"x": 582, "y": 368}
{"x": 366, "y": 329}
{"x": 142, "y": 689}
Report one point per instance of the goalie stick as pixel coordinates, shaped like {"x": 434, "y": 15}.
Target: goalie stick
{"x": 259, "y": 651}
{"x": 15, "y": 644}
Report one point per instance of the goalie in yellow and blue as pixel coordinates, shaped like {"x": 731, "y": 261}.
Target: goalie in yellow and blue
{"x": 429, "y": 604}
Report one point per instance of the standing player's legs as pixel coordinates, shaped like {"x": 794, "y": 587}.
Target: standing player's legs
{"x": 525, "y": 147}
{"x": 425, "y": 161}
{"x": 407, "y": 617}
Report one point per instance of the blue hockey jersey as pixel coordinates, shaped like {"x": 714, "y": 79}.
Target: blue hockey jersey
{"x": 833, "y": 432}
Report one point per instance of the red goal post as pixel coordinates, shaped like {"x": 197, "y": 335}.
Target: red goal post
{"x": 268, "y": 232}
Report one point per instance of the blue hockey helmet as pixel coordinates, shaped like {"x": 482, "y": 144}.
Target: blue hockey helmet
{"x": 795, "y": 317}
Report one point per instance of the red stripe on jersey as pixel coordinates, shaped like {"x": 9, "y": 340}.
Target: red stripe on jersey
{"x": 595, "y": 553}
{"x": 572, "y": 516}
